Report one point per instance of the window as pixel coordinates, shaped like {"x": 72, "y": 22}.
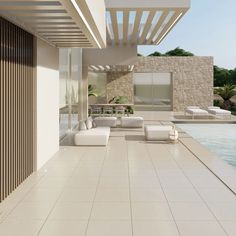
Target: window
{"x": 153, "y": 91}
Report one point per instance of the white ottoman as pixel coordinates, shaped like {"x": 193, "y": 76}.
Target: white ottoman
{"x": 160, "y": 133}
{"x": 105, "y": 121}
{"x": 132, "y": 122}
{"x": 93, "y": 137}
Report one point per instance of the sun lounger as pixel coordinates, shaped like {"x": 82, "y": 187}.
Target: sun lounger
{"x": 195, "y": 111}
{"x": 217, "y": 111}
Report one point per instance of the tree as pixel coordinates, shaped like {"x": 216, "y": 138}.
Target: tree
{"x": 179, "y": 52}
{"x": 155, "y": 54}
{"x": 221, "y": 76}
{"x": 226, "y": 92}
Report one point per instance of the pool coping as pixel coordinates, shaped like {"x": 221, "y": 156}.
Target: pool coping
{"x": 221, "y": 169}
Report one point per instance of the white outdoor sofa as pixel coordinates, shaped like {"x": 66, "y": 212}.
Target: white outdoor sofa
{"x": 195, "y": 111}
{"x": 217, "y": 111}
{"x": 98, "y": 136}
{"x": 131, "y": 122}
{"x": 161, "y": 133}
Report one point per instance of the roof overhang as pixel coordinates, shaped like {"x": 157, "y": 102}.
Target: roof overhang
{"x": 142, "y": 22}
{"x": 62, "y": 23}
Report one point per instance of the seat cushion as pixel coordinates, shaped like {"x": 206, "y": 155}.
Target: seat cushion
{"x": 132, "y": 122}
{"x": 105, "y": 121}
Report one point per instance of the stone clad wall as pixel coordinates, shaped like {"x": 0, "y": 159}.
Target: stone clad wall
{"x": 120, "y": 84}
{"x": 192, "y": 78}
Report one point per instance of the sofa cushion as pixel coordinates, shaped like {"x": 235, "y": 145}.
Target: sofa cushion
{"x": 82, "y": 125}
{"x": 89, "y": 123}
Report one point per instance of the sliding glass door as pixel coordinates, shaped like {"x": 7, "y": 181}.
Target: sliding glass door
{"x": 70, "y": 75}
{"x": 153, "y": 91}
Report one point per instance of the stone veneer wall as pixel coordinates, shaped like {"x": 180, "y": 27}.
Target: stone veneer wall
{"x": 120, "y": 84}
{"x": 192, "y": 78}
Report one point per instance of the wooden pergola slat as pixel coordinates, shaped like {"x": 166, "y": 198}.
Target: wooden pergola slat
{"x": 173, "y": 20}
{"x": 136, "y": 26}
{"x": 158, "y": 26}
{"x": 147, "y": 26}
{"x": 114, "y": 26}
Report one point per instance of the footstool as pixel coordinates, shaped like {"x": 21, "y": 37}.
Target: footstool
{"x": 160, "y": 133}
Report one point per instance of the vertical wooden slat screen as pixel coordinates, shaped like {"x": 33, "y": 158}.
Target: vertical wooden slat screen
{"x": 16, "y": 106}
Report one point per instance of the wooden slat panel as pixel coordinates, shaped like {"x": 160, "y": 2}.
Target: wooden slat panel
{"x": 16, "y": 118}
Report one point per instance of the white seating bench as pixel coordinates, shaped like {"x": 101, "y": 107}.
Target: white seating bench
{"x": 105, "y": 121}
{"x": 98, "y": 136}
{"x": 132, "y": 122}
{"x": 160, "y": 133}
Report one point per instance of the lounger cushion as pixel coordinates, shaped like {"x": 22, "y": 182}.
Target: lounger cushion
{"x": 219, "y": 112}
{"x": 192, "y": 107}
{"x": 213, "y": 107}
{"x": 197, "y": 111}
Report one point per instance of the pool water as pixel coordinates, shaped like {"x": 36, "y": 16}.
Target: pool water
{"x": 219, "y": 138}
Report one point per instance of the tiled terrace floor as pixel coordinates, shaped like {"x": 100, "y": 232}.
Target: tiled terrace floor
{"x": 129, "y": 188}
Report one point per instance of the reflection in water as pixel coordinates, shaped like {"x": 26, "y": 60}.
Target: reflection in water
{"x": 219, "y": 138}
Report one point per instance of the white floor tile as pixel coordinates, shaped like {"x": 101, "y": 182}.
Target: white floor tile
{"x": 64, "y": 227}
{"x": 224, "y": 211}
{"x": 71, "y": 211}
{"x": 112, "y": 195}
{"x": 147, "y": 195}
{"x": 111, "y": 211}
{"x": 230, "y": 227}
{"x": 31, "y": 211}
{"x": 23, "y": 227}
{"x": 182, "y": 195}
{"x": 108, "y": 228}
{"x": 155, "y": 228}
{"x": 196, "y": 228}
{"x": 190, "y": 211}
{"x": 77, "y": 195}
{"x": 151, "y": 211}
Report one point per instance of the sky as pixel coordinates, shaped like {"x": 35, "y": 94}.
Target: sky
{"x": 208, "y": 29}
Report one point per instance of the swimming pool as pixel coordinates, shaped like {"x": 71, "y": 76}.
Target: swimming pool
{"x": 219, "y": 138}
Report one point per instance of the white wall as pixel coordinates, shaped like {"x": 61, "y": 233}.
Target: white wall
{"x": 112, "y": 55}
{"x": 47, "y": 102}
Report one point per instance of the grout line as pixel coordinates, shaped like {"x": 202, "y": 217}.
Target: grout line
{"x": 203, "y": 200}
{"x": 162, "y": 189}
{"x": 98, "y": 182}
{"x": 131, "y": 212}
